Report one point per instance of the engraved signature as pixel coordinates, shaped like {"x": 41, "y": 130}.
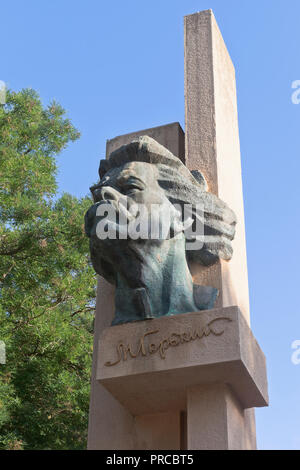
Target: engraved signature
{"x": 174, "y": 339}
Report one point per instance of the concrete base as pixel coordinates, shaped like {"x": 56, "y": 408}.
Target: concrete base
{"x": 217, "y": 421}
{"x": 182, "y": 382}
{"x": 148, "y": 365}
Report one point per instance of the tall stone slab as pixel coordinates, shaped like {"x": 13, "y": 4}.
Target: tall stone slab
{"x": 112, "y": 426}
{"x": 212, "y": 145}
{"x": 170, "y": 136}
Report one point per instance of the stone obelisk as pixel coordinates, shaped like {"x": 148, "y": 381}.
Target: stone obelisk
{"x": 212, "y": 144}
{"x": 217, "y": 412}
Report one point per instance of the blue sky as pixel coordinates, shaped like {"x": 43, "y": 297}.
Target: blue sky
{"x": 118, "y": 67}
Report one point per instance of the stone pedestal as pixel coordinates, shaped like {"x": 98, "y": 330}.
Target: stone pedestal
{"x": 217, "y": 421}
{"x": 194, "y": 373}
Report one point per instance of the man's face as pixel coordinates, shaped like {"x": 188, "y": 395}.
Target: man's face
{"x": 132, "y": 192}
{"x": 135, "y": 182}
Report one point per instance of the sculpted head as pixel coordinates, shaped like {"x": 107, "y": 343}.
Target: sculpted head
{"x": 144, "y": 174}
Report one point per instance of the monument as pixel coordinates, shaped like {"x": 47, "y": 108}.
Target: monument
{"x": 175, "y": 364}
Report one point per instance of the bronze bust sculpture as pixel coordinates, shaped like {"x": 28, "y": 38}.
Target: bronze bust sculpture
{"x": 142, "y": 184}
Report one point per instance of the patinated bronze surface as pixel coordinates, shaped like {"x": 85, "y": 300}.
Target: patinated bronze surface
{"x": 151, "y": 272}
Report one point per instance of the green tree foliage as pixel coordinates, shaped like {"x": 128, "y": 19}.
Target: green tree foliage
{"x": 47, "y": 284}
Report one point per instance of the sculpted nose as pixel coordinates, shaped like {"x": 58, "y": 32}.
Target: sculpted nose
{"x": 109, "y": 194}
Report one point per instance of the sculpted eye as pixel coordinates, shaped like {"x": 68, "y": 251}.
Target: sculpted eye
{"x": 128, "y": 188}
{"x": 132, "y": 185}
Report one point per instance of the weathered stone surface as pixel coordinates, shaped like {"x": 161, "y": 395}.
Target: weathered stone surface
{"x": 148, "y": 366}
{"x": 212, "y": 145}
{"x": 152, "y": 275}
{"x": 216, "y": 419}
{"x": 170, "y": 136}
